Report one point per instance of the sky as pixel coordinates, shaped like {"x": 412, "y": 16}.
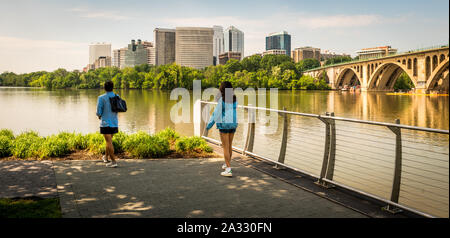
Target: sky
{"x": 49, "y": 34}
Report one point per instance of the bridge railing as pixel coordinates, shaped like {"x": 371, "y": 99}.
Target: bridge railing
{"x": 405, "y": 167}
{"x": 380, "y": 57}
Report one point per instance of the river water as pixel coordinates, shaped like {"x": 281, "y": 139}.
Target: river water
{"x": 365, "y": 155}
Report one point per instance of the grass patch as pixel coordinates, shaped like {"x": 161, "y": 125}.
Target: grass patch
{"x": 192, "y": 144}
{"x": 30, "y": 208}
{"x": 166, "y": 143}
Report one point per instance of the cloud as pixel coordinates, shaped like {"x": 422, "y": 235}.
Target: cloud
{"x": 87, "y": 13}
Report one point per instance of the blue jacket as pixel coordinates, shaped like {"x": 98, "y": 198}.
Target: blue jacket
{"x": 107, "y": 116}
{"x": 224, "y": 116}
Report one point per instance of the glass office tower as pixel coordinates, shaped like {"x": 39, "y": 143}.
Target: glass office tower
{"x": 279, "y": 41}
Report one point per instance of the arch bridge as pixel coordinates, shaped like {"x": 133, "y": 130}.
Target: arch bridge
{"x": 428, "y": 70}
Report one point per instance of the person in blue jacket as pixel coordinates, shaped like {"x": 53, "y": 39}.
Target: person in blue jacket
{"x": 109, "y": 124}
{"x": 225, "y": 117}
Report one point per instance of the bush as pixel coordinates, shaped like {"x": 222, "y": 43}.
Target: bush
{"x": 55, "y": 146}
{"x": 96, "y": 143}
{"x": 118, "y": 140}
{"x": 27, "y": 145}
{"x": 5, "y": 146}
{"x": 7, "y": 133}
{"x": 192, "y": 144}
{"x": 169, "y": 134}
{"x": 143, "y": 145}
{"x": 78, "y": 142}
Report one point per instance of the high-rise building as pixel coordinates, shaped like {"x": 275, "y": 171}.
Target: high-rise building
{"x": 164, "y": 46}
{"x": 233, "y": 40}
{"x": 218, "y": 43}
{"x": 97, "y": 50}
{"x": 119, "y": 57}
{"x": 150, "y": 52}
{"x": 136, "y": 54}
{"x": 102, "y": 61}
{"x": 306, "y": 52}
{"x": 194, "y": 46}
{"x": 279, "y": 41}
{"x": 224, "y": 57}
{"x": 376, "y": 52}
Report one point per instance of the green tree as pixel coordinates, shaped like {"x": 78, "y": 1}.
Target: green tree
{"x": 251, "y": 63}
{"x": 233, "y": 65}
{"x": 403, "y": 82}
{"x": 338, "y": 59}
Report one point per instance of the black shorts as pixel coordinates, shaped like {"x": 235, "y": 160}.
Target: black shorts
{"x": 227, "y": 130}
{"x": 109, "y": 130}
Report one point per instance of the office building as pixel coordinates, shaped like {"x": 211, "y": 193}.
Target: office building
{"x": 164, "y": 46}
{"x": 102, "y": 61}
{"x": 218, "y": 43}
{"x": 194, "y": 46}
{"x": 234, "y": 40}
{"x": 274, "y": 52}
{"x": 279, "y": 41}
{"x": 376, "y": 52}
{"x": 150, "y": 52}
{"x": 97, "y": 50}
{"x": 224, "y": 57}
{"x": 307, "y": 52}
{"x": 119, "y": 57}
{"x": 136, "y": 54}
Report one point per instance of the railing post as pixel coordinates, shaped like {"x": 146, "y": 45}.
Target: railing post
{"x": 206, "y": 116}
{"x": 397, "y": 169}
{"x": 250, "y": 131}
{"x": 282, "y": 154}
{"x": 331, "y": 159}
{"x": 326, "y": 152}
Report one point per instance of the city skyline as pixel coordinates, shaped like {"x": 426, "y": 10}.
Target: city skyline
{"x": 52, "y": 35}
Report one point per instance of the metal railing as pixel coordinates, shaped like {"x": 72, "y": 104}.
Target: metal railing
{"x": 382, "y": 162}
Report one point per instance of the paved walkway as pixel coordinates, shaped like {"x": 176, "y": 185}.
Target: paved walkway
{"x": 27, "y": 179}
{"x": 182, "y": 188}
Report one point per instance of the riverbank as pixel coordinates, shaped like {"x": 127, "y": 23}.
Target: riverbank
{"x": 71, "y": 146}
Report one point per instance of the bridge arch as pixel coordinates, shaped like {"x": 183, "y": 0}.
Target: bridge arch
{"x": 436, "y": 75}
{"x": 387, "y": 74}
{"x": 348, "y": 76}
{"x": 323, "y": 75}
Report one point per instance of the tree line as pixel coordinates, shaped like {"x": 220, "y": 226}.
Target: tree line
{"x": 270, "y": 71}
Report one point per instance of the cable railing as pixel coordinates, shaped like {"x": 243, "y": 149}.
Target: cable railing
{"x": 389, "y": 162}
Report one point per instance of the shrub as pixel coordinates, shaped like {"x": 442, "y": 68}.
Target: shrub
{"x": 192, "y": 144}
{"x": 78, "y": 142}
{"x": 27, "y": 144}
{"x": 7, "y": 133}
{"x": 169, "y": 134}
{"x": 55, "y": 146}
{"x": 5, "y": 146}
{"x": 118, "y": 140}
{"x": 143, "y": 145}
{"x": 96, "y": 143}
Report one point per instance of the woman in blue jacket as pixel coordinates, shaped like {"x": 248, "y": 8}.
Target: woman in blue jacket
{"x": 224, "y": 116}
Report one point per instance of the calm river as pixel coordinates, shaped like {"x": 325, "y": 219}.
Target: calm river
{"x": 364, "y": 154}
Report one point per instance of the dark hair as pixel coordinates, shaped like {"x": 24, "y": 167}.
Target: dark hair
{"x": 223, "y": 86}
{"x": 109, "y": 85}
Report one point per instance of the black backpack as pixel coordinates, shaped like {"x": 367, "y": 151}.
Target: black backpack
{"x": 118, "y": 104}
